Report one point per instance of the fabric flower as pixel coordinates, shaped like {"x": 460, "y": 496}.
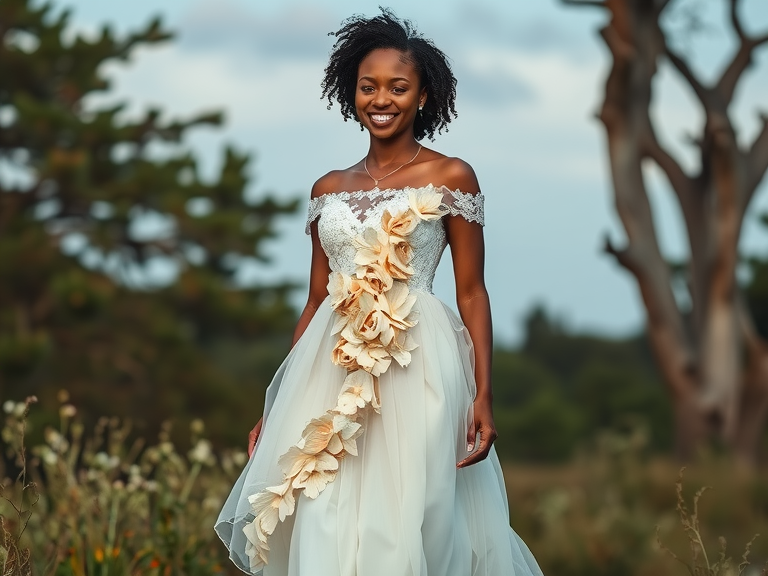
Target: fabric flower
{"x": 374, "y": 277}
{"x": 255, "y": 548}
{"x": 427, "y": 204}
{"x": 358, "y": 391}
{"x": 314, "y": 478}
{"x": 372, "y": 321}
{"x": 374, "y": 247}
{"x": 344, "y": 292}
{"x": 401, "y": 347}
{"x": 399, "y": 225}
{"x": 398, "y": 305}
{"x": 316, "y": 436}
{"x": 342, "y": 357}
{"x": 370, "y": 356}
{"x": 345, "y": 433}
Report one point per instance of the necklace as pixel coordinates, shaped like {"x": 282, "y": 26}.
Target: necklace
{"x": 377, "y": 180}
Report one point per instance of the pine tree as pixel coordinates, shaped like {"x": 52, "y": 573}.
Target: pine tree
{"x": 79, "y": 308}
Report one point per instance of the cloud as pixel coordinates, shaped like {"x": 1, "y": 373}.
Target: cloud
{"x": 297, "y": 31}
{"x": 524, "y": 29}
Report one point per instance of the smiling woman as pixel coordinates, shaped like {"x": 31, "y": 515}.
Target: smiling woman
{"x": 375, "y": 453}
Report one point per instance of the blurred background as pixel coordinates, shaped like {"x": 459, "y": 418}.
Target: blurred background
{"x": 155, "y": 166}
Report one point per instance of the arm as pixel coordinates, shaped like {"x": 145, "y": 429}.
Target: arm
{"x": 474, "y": 305}
{"x": 318, "y": 283}
{"x": 468, "y": 252}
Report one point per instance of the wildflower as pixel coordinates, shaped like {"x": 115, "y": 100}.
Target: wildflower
{"x": 201, "y": 453}
{"x": 197, "y": 426}
{"x": 9, "y": 406}
{"x": 67, "y": 411}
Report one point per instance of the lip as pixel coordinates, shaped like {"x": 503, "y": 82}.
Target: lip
{"x": 382, "y": 119}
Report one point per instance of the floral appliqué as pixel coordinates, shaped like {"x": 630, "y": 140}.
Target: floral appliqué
{"x": 374, "y": 312}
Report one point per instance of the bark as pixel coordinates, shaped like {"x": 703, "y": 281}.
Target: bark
{"x": 713, "y": 389}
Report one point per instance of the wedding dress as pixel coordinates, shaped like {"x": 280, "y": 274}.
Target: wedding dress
{"x": 389, "y": 500}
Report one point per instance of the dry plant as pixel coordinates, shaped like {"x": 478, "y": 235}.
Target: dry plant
{"x": 15, "y": 558}
{"x": 101, "y": 505}
{"x": 700, "y": 563}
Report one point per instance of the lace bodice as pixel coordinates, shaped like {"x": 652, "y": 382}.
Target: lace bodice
{"x": 344, "y": 215}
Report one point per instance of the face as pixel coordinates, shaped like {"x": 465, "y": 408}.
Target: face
{"x": 388, "y": 93}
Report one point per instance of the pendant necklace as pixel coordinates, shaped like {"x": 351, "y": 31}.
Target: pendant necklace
{"x": 377, "y": 180}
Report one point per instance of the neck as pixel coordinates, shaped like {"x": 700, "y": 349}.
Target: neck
{"x": 385, "y": 152}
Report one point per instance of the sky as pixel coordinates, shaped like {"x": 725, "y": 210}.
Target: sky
{"x": 530, "y": 76}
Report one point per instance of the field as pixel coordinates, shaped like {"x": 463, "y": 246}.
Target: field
{"x": 96, "y": 503}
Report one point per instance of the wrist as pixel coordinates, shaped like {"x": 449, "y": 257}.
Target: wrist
{"x": 484, "y": 396}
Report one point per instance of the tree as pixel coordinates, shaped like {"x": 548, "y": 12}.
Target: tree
{"x": 714, "y": 362}
{"x": 79, "y": 305}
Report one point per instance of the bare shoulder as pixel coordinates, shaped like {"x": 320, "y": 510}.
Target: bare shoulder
{"x": 329, "y": 183}
{"x": 457, "y": 174}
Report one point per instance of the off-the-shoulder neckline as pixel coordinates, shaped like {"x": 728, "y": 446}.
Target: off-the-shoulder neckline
{"x": 378, "y": 190}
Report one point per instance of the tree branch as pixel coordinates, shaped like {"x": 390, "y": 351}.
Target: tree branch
{"x": 594, "y": 3}
{"x": 735, "y": 22}
{"x": 682, "y": 66}
{"x": 680, "y": 181}
{"x": 741, "y": 60}
{"x": 757, "y": 160}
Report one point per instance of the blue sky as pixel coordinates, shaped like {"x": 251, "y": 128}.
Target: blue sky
{"x": 530, "y": 77}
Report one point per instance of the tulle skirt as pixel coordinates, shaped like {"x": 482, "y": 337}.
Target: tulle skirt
{"x": 400, "y": 507}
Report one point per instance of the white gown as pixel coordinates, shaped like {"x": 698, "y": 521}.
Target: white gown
{"x": 400, "y": 507}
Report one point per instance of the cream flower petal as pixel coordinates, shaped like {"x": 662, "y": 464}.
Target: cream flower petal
{"x": 255, "y": 549}
{"x": 377, "y": 279}
{"x": 399, "y": 305}
{"x": 427, "y": 203}
{"x": 285, "y": 501}
{"x": 358, "y": 391}
{"x": 399, "y": 225}
{"x": 317, "y": 434}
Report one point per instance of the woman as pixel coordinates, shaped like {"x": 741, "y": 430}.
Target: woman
{"x": 374, "y": 456}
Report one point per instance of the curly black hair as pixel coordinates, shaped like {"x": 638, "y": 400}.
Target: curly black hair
{"x": 359, "y": 36}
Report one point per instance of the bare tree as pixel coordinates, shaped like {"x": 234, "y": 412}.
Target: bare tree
{"x": 711, "y": 357}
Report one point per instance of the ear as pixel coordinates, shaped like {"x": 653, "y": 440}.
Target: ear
{"x": 422, "y": 97}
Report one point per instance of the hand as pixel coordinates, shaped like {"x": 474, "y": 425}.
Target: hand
{"x": 482, "y": 425}
{"x": 253, "y": 435}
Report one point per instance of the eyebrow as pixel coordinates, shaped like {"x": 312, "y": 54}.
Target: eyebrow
{"x": 371, "y": 79}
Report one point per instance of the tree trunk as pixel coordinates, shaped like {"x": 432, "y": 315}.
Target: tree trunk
{"x": 700, "y": 354}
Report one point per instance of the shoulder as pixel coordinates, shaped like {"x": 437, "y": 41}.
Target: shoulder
{"x": 329, "y": 183}
{"x": 456, "y": 174}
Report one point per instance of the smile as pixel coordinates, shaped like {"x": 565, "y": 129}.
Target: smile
{"x": 381, "y": 119}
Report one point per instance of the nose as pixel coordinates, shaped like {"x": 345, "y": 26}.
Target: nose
{"x": 381, "y": 98}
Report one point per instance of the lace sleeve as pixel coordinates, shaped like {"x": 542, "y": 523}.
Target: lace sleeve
{"x": 468, "y": 206}
{"x": 315, "y": 205}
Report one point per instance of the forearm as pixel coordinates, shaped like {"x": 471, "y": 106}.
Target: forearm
{"x": 475, "y": 311}
{"x": 306, "y": 316}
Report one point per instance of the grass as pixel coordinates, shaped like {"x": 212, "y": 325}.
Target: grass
{"x": 94, "y": 503}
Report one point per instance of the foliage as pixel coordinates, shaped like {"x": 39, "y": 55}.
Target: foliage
{"x": 560, "y": 389}
{"x": 98, "y": 503}
{"x": 106, "y": 505}
{"x": 93, "y": 202}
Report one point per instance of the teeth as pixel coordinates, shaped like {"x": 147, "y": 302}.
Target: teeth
{"x": 382, "y": 117}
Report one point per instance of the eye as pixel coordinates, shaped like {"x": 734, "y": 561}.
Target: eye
{"x": 399, "y": 90}
{"x": 366, "y": 89}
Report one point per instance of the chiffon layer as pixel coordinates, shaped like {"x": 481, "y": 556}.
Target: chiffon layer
{"x": 400, "y": 507}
